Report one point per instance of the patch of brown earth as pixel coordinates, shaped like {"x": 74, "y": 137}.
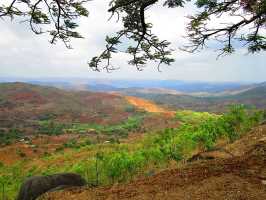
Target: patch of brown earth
{"x": 147, "y": 105}
{"x": 38, "y": 146}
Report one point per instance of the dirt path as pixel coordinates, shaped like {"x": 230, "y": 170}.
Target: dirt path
{"x": 147, "y": 105}
{"x": 237, "y": 178}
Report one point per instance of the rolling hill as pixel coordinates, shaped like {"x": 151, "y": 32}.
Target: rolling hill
{"x": 253, "y": 95}
{"x": 27, "y": 109}
{"x": 105, "y": 85}
{"x": 127, "y": 139}
{"x": 172, "y": 94}
{"x": 20, "y": 101}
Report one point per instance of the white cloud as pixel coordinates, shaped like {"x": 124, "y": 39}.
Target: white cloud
{"x": 24, "y": 54}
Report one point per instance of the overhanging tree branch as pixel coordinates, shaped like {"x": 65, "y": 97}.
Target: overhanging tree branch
{"x": 59, "y": 14}
{"x": 57, "y": 17}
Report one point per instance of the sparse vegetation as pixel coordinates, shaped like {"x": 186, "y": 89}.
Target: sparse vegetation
{"x": 122, "y": 129}
{"x": 192, "y": 117}
{"x": 103, "y": 164}
{"x": 3, "y": 187}
{"x": 20, "y": 153}
{"x": 71, "y": 144}
{"x": 7, "y": 136}
{"x": 52, "y": 127}
{"x": 130, "y": 109}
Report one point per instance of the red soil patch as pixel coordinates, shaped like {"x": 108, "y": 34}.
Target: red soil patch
{"x": 29, "y": 97}
{"x": 38, "y": 147}
{"x": 147, "y": 105}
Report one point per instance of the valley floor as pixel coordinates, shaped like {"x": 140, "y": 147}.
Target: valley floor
{"x": 240, "y": 176}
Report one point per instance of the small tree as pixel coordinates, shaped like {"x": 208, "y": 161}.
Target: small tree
{"x": 98, "y": 158}
{"x": 3, "y": 190}
{"x": 3, "y": 182}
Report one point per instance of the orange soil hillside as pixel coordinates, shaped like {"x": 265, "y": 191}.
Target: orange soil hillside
{"x": 146, "y": 105}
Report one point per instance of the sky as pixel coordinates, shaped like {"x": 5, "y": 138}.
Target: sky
{"x": 24, "y": 54}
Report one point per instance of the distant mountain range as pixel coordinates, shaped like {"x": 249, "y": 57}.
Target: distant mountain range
{"x": 250, "y": 95}
{"x": 199, "y": 96}
{"x": 116, "y": 85}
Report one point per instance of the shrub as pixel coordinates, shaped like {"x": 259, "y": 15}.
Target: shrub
{"x": 191, "y": 117}
{"x": 264, "y": 115}
{"x": 52, "y": 127}
{"x": 20, "y": 153}
{"x": 58, "y": 149}
{"x": 114, "y": 140}
{"x": 3, "y": 188}
{"x": 71, "y": 144}
{"x": 239, "y": 120}
{"x": 7, "y": 138}
{"x": 130, "y": 109}
{"x": 87, "y": 142}
{"x": 116, "y": 163}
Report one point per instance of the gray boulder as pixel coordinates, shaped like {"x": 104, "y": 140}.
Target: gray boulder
{"x": 35, "y": 186}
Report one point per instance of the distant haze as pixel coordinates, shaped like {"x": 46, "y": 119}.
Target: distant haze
{"x": 118, "y": 84}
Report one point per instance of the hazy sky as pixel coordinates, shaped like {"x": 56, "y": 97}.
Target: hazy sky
{"x": 23, "y": 54}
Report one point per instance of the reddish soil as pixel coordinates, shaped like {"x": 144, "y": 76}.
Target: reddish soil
{"x": 26, "y": 104}
{"x": 30, "y": 97}
{"x": 42, "y": 144}
{"x": 147, "y": 105}
{"x": 38, "y": 147}
{"x": 240, "y": 177}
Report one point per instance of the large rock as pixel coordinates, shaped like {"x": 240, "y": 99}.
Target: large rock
{"x": 35, "y": 186}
